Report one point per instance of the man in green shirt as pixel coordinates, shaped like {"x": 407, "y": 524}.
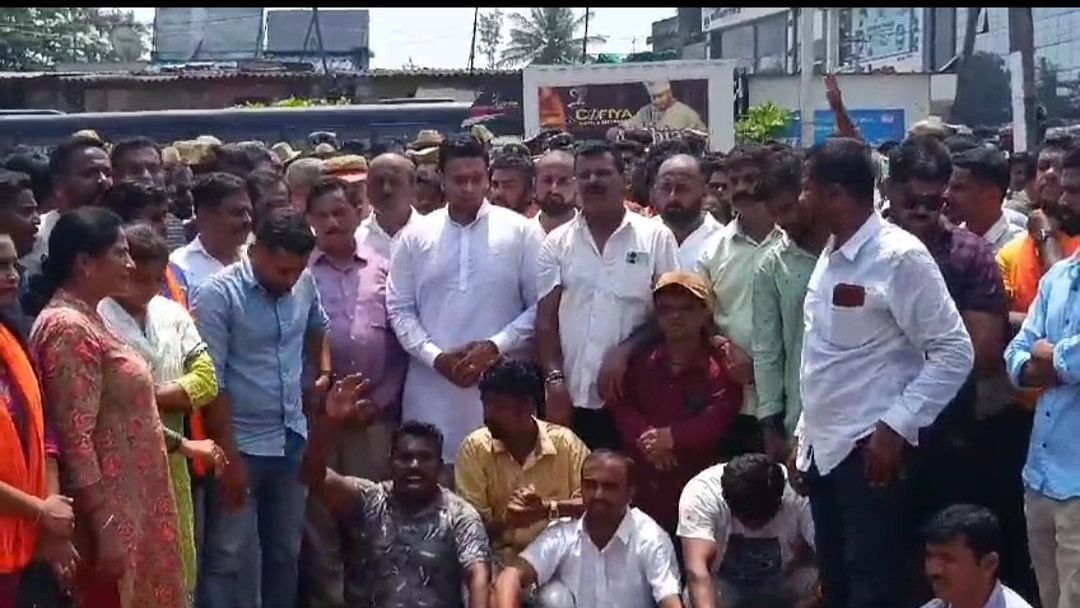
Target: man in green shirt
{"x": 729, "y": 270}
{"x": 779, "y": 288}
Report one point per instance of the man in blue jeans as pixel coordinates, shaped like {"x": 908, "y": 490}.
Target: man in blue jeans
{"x": 261, "y": 318}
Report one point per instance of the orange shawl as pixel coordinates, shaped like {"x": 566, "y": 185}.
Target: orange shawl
{"x": 18, "y": 535}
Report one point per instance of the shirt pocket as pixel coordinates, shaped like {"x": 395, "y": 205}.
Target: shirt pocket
{"x": 854, "y": 327}
{"x": 633, "y": 281}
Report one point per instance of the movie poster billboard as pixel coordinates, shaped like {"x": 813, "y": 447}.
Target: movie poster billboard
{"x": 590, "y": 111}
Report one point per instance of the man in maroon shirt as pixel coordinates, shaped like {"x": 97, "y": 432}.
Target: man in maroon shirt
{"x": 679, "y": 404}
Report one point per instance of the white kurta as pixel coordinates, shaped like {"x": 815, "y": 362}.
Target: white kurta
{"x": 450, "y": 285}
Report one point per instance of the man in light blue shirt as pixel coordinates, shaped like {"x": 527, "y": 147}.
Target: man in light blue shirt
{"x": 1046, "y": 354}
{"x": 260, "y": 317}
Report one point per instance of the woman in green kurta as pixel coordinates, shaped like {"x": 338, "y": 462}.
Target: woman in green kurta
{"x": 164, "y": 333}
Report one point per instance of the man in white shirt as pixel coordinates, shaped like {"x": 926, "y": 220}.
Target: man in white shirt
{"x": 614, "y": 556}
{"x": 223, "y": 217}
{"x": 461, "y": 291}
{"x": 596, "y": 275}
{"x": 80, "y": 173}
{"x": 975, "y": 193}
{"x": 745, "y": 534}
{"x": 391, "y": 188}
{"x": 556, "y": 192}
{"x": 678, "y": 197}
{"x": 963, "y": 552}
{"x": 883, "y": 352}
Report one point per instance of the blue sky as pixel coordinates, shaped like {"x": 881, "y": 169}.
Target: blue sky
{"x": 439, "y": 37}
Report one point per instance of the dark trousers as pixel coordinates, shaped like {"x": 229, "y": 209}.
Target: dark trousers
{"x": 863, "y": 550}
{"x": 596, "y": 428}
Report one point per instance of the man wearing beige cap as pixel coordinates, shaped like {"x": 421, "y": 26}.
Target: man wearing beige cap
{"x": 301, "y": 176}
{"x": 353, "y": 170}
{"x": 664, "y": 112}
{"x": 679, "y": 404}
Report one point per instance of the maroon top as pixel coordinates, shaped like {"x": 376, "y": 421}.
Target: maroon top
{"x": 699, "y": 404}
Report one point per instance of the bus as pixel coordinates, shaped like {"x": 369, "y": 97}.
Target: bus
{"x": 364, "y": 122}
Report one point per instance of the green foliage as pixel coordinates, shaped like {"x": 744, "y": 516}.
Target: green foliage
{"x": 762, "y": 123}
{"x": 33, "y": 38}
{"x": 546, "y": 36}
{"x": 297, "y": 102}
{"x": 489, "y": 36}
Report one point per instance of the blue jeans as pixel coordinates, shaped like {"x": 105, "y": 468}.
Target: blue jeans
{"x": 271, "y": 520}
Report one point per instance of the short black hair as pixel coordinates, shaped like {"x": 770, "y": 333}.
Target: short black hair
{"x": 241, "y": 157}
{"x": 712, "y": 163}
{"x": 1071, "y": 160}
{"x": 606, "y": 454}
{"x": 461, "y": 145}
{"x": 63, "y": 156}
{"x": 960, "y": 143}
{"x": 128, "y": 145}
{"x": 129, "y": 199}
{"x": 285, "y": 230}
{"x": 1062, "y": 142}
{"x": 514, "y": 378}
{"x": 209, "y": 190}
{"x": 1025, "y": 159}
{"x": 921, "y": 157}
{"x": 36, "y": 165}
{"x": 843, "y": 162}
{"x": 888, "y": 146}
{"x": 11, "y": 184}
{"x": 986, "y": 166}
{"x": 325, "y": 185}
{"x": 977, "y": 526}
{"x": 145, "y": 245}
{"x": 513, "y": 162}
{"x": 742, "y": 154}
{"x": 260, "y": 182}
{"x": 419, "y": 430}
{"x": 753, "y": 487}
{"x": 599, "y": 147}
{"x": 782, "y": 174}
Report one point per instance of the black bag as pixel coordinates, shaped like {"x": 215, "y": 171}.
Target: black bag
{"x": 38, "y": 588}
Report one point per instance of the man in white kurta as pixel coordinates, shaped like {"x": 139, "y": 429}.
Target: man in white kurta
{"x": 452, "y": 286}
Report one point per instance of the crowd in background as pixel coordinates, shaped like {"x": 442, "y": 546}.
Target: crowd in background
{"x": 550, "y": 373}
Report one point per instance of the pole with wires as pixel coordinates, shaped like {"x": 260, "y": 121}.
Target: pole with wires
{"x": 472, "y": 47}
{"x": 585, "y": 39}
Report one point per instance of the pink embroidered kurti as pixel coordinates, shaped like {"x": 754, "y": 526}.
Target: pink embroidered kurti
{"x": 99, "y": 394}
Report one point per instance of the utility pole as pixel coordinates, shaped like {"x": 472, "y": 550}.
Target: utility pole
{"x": 806, "y": 74}
{"x": 472, "y": 47}
{"x": 327, "y": 76}
{"x": 1022, "y": 58}
{"x": 585, "y": 39}
{"x": 832, "y": 39}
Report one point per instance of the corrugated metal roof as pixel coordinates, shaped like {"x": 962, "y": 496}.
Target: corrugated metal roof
{"x": 222, "y": 74}
{"x": 440, "y": 72}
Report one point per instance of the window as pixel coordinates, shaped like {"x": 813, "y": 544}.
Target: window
{"x": 737, "y": 42}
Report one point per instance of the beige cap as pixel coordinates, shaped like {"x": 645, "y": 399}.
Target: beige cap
{"x": 426, "y": 156}
{"x": 656, "y": 87}
{"x": 170, "y": 156}
{"x": 427, "y": 138}
{"x": 209, "y": 140}
{"x": 691, "y": 282}
{"x": 304, "y": 172}
{"x": 349, "y": 167}
{"x": 931, "y": 125}
{"x": 284, "y": 151}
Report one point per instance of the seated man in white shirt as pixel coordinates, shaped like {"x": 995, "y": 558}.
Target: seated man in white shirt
{"x": 746, "y": 534}
{"x": 613, "y": 556}
{"x": 963, "y": 551}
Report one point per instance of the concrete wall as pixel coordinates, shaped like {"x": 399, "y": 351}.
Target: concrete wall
{"x": 912, "y": 93}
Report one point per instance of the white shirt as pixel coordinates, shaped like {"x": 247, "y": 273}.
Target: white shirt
{"x": 704, "y": 515}
{"x": 1004, "y": 230}
{"x": 1002, "y": 597}
{"x": 700, "y": 244}
{"x": 898, "y": 357}
{"x": 450, "y": 285}
{"x": 372, "y": 235}
{"x": 31, "y": 262}
{"x": 637, "y": 568}
{"x": 197, "y": 263}
{"x": 605, "y": 296}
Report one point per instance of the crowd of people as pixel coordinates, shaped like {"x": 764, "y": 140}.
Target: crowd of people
{"x": 553, "y": 373}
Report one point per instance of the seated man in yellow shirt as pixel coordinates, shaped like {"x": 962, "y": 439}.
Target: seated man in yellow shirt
{"x": 519, "y": 472}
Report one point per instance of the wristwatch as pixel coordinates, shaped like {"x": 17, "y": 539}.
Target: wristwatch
{"x": 555, "y": 376}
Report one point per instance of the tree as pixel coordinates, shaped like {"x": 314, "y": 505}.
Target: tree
{"x": 490, "y": 35}
{"x": 32, "y": 38}
{"x": 986, "y": 101}
{"x": 546, "y": 36}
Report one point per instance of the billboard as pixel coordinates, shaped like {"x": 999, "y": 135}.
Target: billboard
{"x": 588, "y": 111}
{"x": 720, "y": 18}
{"x": 207, "y": 34}
{"x": 876, "y": 126}
{"x": 881, "y": 36}
{"x": 661, "y": 96}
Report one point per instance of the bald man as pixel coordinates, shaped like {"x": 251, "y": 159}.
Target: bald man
{"x": 555, "y": 191}
{"x": 391, "y": 185}
{"x": 678, "y": 197}
{"x": 665, "y": 112}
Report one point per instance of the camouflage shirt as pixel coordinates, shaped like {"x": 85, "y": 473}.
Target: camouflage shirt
{"x": 402, "y": 560}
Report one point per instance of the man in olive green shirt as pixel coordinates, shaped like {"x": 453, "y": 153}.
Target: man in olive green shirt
{"x": 779, "y": 289}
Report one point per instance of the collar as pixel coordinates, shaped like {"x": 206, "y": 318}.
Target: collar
{"x": 997, "y": 230}
{"x": 868, "y": 230}
{"x": 790, "y": 245}
{"x": 708, "y": 225}
{"x": 583, "y": 223}
{"x": 360, "y": 254}
{"x": 247, "y": 276}
{"x": 544, "y": 445}
{"x": 662, "y": 357}
{"x": 624, "y": 532}
{"x": 737, "y": 232}
{"x": 373, "y": 224}
{"x": 198, "y": 247}
{"x": 481, "y": 213}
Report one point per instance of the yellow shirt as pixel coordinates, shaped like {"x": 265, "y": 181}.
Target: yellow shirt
{"x": 487, "y": 475}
